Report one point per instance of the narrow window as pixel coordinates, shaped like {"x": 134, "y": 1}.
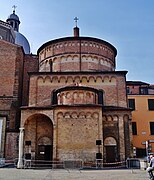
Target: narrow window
{"x": 51, "y": 66}
{"x": 100, "y": 97}
{"x": 134, "y": 128}
{"x": 143, "y": 90}
{"x": 131, "y": 103}
{"x": 128, "y": 90}
{"x": 151, "y": 104}
{"x": 152, "y": 128}
{"x": 54, "y": 97}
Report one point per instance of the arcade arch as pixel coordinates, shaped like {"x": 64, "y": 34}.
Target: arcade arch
{"x": 38, "y": 137}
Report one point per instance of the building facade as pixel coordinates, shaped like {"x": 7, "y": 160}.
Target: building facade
{"x": 13, "y": 93}
{"x": 15, "y": 65}
{"x": 141, "y": 100}
{"x": 69, "y": 103}
{"x": 77, "y": 105}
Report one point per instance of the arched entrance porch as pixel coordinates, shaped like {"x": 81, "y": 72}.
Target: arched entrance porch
{"x": 38, "y": 137}
{"x": 110, "y": 149}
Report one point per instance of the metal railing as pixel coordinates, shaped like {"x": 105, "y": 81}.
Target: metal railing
{"x": 73, "y": 164}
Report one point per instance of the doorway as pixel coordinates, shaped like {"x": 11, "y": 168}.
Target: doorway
{"x": 45, "y": 152}
{"x": 110, "y": 154}
{"x": 110, "y": 149}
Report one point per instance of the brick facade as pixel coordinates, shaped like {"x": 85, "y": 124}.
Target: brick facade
{"x": 70, "y": 97}
{"x": 14, "y": 87}
{"x": 78, "y": 83}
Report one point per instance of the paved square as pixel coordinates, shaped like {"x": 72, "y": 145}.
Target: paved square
{"x": 30, "y": 174}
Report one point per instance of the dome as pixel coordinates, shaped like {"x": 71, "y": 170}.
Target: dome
{"x": 13, "y": 16}
{"x": 13, "y": 20}
{"x": 22, "y": 41}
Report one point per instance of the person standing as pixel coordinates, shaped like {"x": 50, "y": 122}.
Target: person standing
{"x": 151, "y": 167}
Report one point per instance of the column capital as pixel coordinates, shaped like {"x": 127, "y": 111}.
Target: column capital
{"x": 21, "y": 128}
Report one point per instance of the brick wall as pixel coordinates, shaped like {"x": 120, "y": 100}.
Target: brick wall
{"x": 76, "y": 55}
{"x": 77, "y": 132}
{"x": 113, "y": 86}
{"x": 11, "y": 146}
{"x": 30, "y": 65}
{"x": 11, "y": 57}
{"x": 8, "y": 64}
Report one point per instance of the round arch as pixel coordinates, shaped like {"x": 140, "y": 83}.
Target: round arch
{"x": 110, "y": 141}
{"x": 38, "y": 137}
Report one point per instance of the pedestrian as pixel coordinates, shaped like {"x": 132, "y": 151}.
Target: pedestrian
{"x": 151, "y": 167}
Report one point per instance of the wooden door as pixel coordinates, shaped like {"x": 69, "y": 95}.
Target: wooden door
{"x": 110, "y": 154}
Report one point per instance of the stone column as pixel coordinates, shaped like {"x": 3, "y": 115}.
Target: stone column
{"x": 100, "y": 130}
{"x": 54, "y": 142}
{"x": 121, "y": 138}
{"x": 131, "y": 137}
{"x": 21, "y": 143}
{"x": 2, "y": 135}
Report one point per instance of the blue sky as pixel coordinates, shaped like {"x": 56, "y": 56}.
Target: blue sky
{"x": 126, "y": 24}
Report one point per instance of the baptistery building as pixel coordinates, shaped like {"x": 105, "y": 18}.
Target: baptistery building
{"x": 71, "y": 103}
{"x": 77, "y": 106}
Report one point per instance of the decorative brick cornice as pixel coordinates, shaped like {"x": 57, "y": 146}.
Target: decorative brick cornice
{"x": 77, "y": 39}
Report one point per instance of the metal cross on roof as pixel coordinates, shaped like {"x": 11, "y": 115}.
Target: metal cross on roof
{"x": 14, "y": 7}
{"x": 76, "y": 20}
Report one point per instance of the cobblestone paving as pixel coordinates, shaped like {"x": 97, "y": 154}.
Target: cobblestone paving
{"x": 30, "y": 174}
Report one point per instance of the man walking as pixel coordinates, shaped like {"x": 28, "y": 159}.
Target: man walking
{"x": 151, "y": 167}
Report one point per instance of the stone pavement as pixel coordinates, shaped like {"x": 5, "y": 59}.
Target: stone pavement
{"x": 48, "y": 174}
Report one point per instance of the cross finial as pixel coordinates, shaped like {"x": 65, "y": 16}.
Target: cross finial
{"x": 14, "y": 7}
{"x": 76, "y": 20}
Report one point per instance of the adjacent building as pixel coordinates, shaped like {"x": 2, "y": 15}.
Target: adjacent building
{"x": 15, "y": 65}
{"x": 9, "y": 31}
{"x": 141, "y": 100}
{"x": 6, "y": 32}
